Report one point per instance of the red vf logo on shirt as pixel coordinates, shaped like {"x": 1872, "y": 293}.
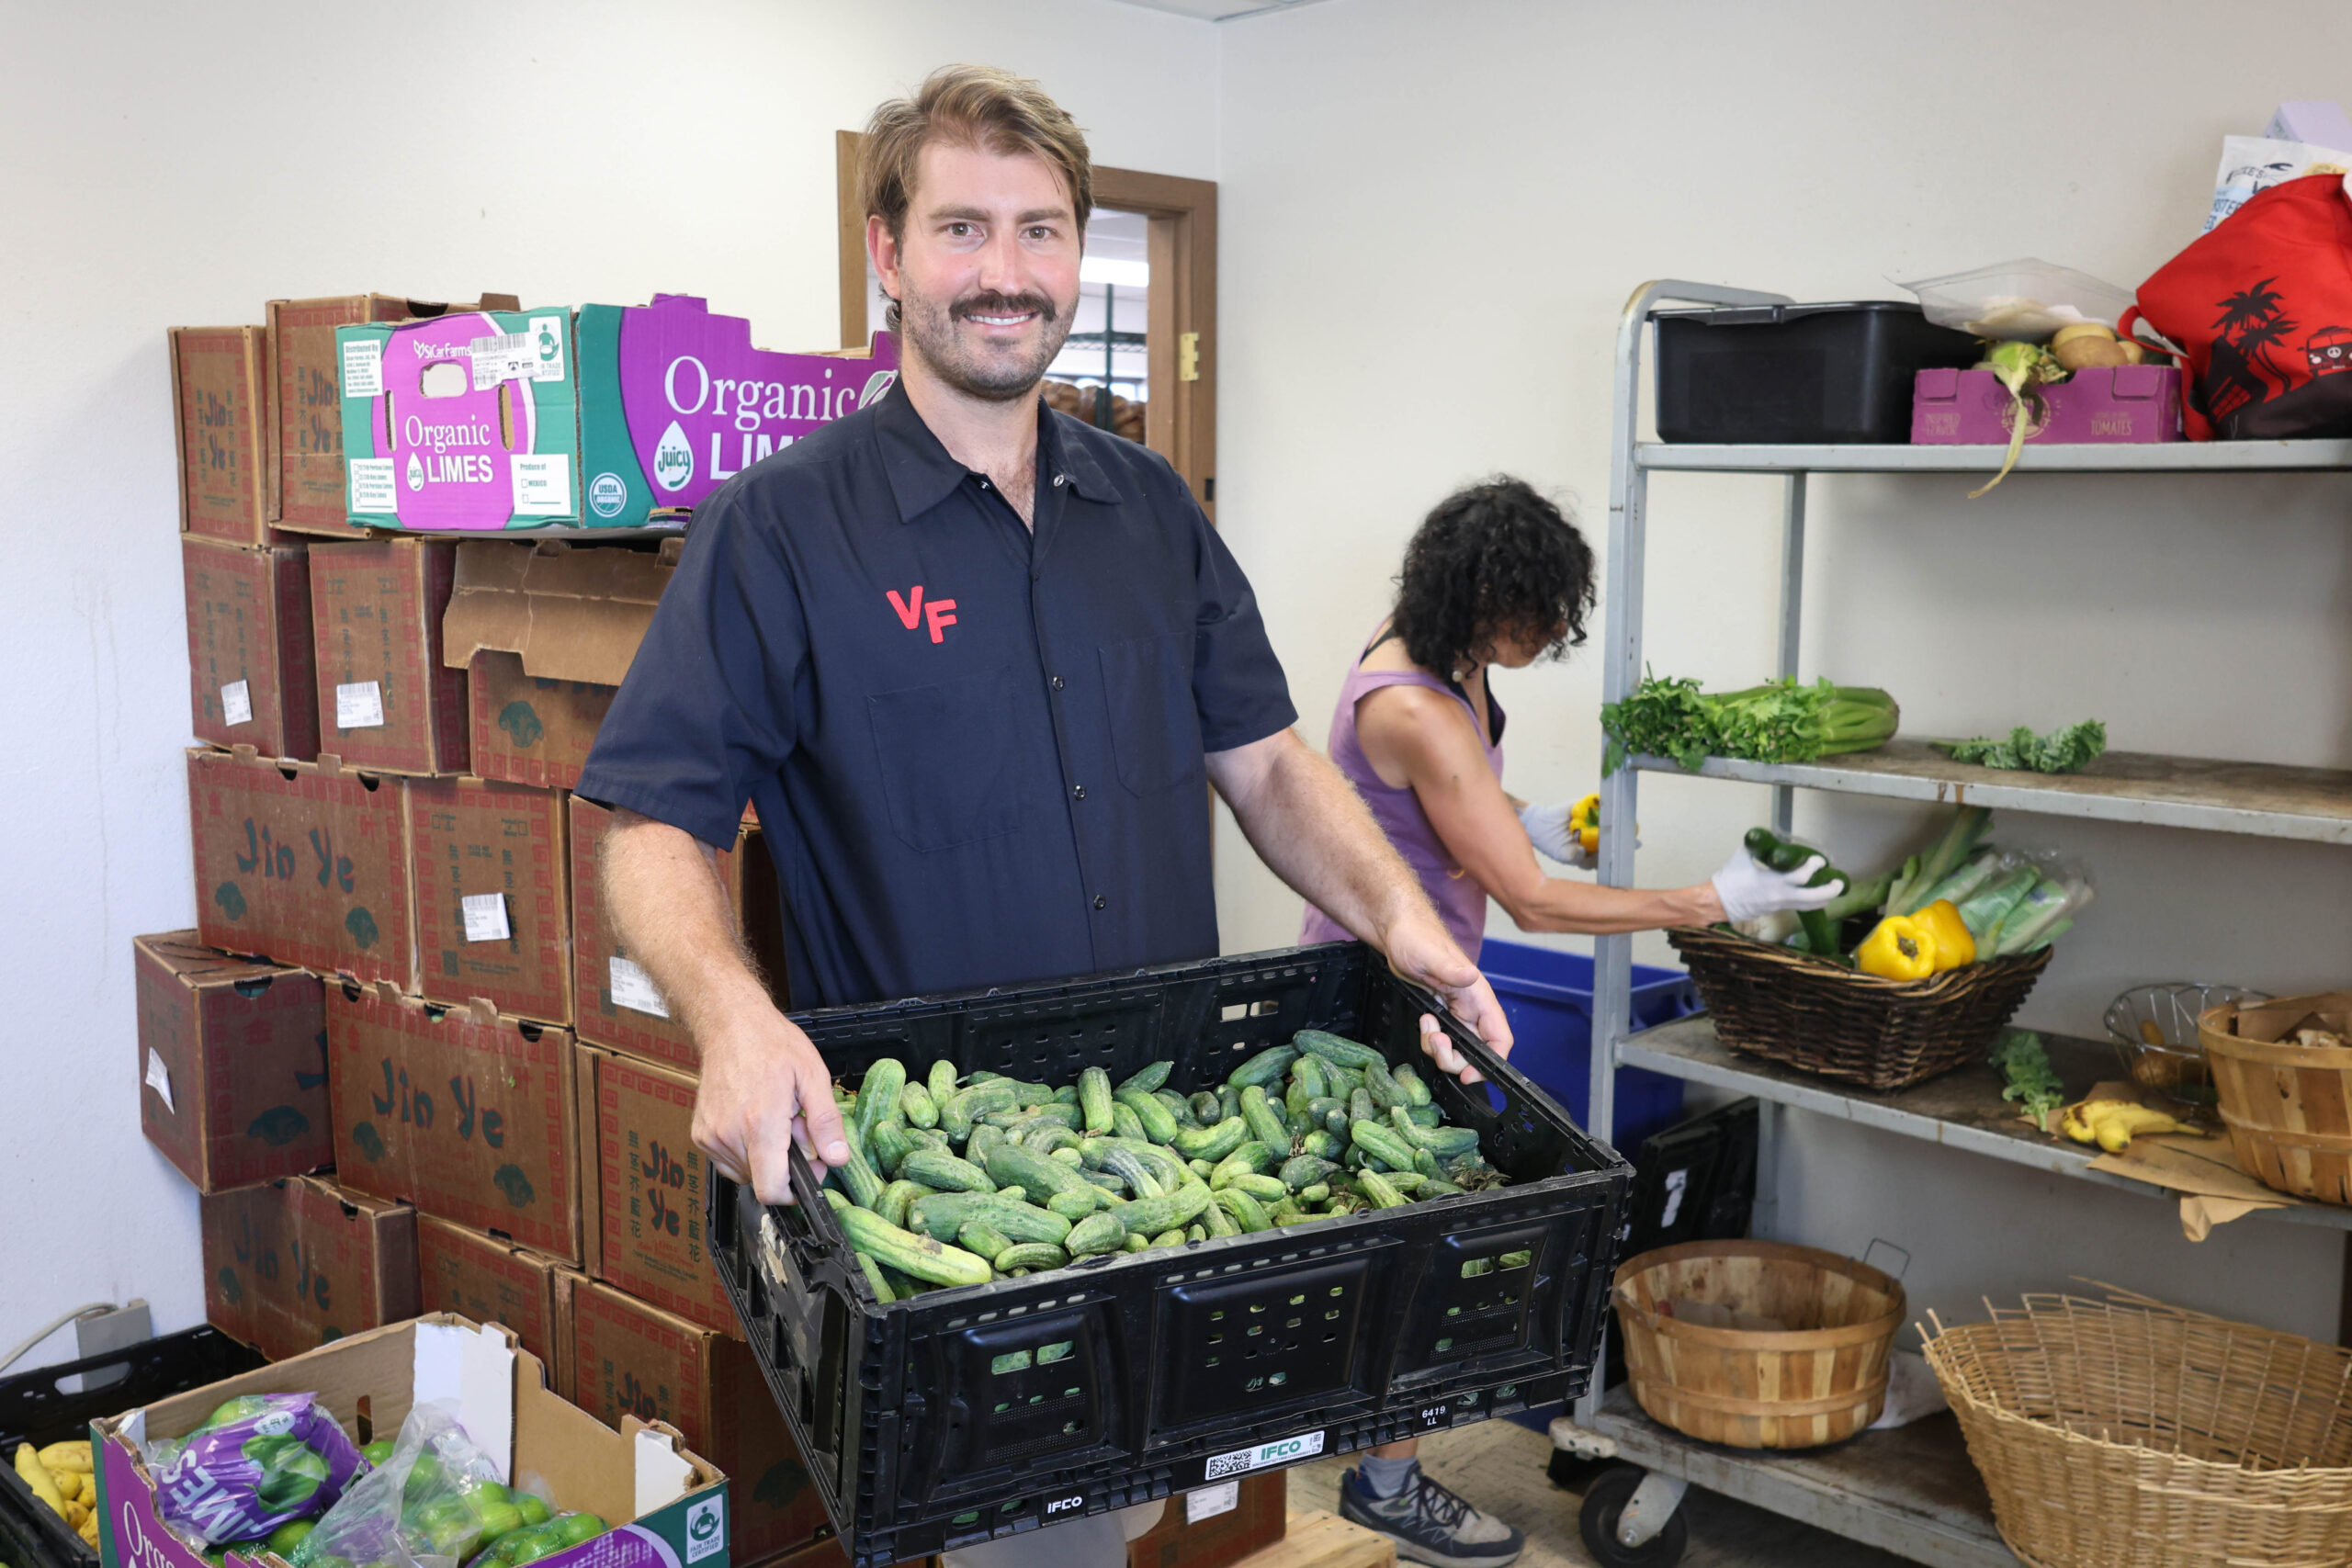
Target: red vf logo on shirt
{"x": 939, "y": 615}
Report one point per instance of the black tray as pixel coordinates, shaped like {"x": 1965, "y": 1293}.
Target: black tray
{"x": 933, "y": 1423}
{"x": 1800, "y": 373}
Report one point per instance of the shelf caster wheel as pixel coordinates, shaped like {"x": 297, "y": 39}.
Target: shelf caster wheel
{"x": 1628, "y": 1501}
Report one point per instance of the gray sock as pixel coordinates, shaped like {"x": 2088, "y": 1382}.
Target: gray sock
{"x": 1386, "y": 1477}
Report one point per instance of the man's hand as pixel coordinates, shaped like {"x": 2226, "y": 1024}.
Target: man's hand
{"x": 763, "y": 1088}
{"x": 1419, "y": 949}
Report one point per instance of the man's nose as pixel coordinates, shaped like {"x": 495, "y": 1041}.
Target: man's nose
{"x": 1002, "y": 265}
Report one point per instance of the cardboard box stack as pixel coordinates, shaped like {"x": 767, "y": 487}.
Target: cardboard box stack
{"x": 405, "y": 1056}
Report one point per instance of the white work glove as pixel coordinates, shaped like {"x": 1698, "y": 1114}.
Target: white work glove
{"x": 1548, "y": 830}
{"x": 1750, "y": 889}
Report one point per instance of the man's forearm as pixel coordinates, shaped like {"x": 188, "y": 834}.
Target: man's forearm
{"x": 1316, "y": 833}
{"x": 663, "y": 893}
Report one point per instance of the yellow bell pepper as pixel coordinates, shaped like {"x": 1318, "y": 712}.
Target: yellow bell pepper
{"x": 1954, "y": 946}
{"x": 1898, "y": 948}
{"x": 1584, "y": 820}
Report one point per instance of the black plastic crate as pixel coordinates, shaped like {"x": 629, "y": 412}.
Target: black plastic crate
{"x": 1798, "y": 373}
{"x": 34, "y": 1409}
{"x": 987, "y": 1410}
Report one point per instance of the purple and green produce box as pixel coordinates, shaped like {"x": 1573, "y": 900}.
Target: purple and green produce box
{"x": 2097, "y": 406}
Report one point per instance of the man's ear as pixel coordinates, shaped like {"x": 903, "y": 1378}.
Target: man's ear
{"x": 882, "y": 250}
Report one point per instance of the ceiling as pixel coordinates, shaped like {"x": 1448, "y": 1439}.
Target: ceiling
{"x": 1218, "y": 10}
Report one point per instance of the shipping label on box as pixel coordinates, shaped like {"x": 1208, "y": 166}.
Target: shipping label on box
{"x": 467, "y": 422}
{"x": 491, "y": 917}
{"x": 643, "y": 1210}
{"x": 224, "y": 396}
{"x": 252, "y": 679}
{"x": 470, "y": 1118}
{"x": 674, "y": 402}
{"x": 291, "y": 1265}
{"x": 386, "y": 700}
{"x": 546, "y": 631}
{"x": 1217, "y": 1525}
{"x": 633, "y": 1359}
{"x": 232, "y": 1064}
{"x": 306, "y": 864}
{"x": 490, "y": 1279}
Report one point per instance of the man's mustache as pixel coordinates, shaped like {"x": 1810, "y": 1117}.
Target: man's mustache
{"x": 1004, "y": 305}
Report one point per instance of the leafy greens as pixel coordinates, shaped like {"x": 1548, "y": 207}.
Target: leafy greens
{"x": 2060, "y": 751}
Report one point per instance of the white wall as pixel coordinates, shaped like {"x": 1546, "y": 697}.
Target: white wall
{"x": 168, "y": 164}
{"x": 1437, "y": 214}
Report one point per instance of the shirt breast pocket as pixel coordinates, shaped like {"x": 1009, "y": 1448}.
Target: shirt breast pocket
{"x": 1155, "y": 727}
{"x": 947, "y": 756}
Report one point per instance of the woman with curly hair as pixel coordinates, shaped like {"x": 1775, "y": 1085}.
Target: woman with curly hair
{"x": 1495, "y": 577}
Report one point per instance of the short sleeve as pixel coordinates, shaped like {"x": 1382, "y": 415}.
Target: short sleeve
{"x": 706, "y": 713}
{"x": 1237, "y": 684}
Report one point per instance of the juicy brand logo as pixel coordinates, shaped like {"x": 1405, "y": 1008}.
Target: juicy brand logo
{"x": 939, "y": 615}
{"x": 673, "y": 458}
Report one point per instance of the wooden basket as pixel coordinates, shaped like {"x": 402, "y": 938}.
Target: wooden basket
{"x": 2129, "y": 1434}
{"x": 2287, "y": 1107}
{"x": 1820, "y": 1017}
{"x": 1821, "y": 1380}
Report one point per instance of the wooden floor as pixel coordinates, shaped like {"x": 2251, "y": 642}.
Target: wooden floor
{"x": 1499, "y": 1467}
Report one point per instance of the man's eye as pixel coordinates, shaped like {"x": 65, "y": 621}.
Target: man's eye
{"x": 959, "y": 229}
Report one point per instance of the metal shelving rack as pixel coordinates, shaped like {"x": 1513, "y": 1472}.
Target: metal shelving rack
{"x": 1911, "y": 1491}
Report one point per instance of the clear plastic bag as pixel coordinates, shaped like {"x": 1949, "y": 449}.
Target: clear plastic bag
{"x": 256, "y": 1463}
{"x": 429, "y": 1506}
{"x": 2018, "y": 302}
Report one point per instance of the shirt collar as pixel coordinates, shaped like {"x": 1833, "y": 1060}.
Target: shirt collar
{"x": 922, "y": 473}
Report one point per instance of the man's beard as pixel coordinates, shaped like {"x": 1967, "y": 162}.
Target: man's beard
{"x": 1003, "y": 375}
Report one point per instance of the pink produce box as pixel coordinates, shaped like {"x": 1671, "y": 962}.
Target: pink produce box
{"x": 2127, "y": 403}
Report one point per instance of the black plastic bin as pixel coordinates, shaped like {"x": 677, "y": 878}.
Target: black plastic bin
{"x": 34, "y": 1409}
{"x": 1798, "y": 374}
{"x": 986, "y": 1410}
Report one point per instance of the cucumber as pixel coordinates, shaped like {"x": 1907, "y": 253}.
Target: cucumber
{"x": 1094, "y": 1098}
{"x": 984, "y": 1138}
{"x": 1197, "y": 1231}
{"x": 1314, "y": 1193}
{"x": 1067, "y": 1154}
{"x": 1266, "y": 1124}
{"x": 1382, "y": 1088}
{"x": 941, "y": 1082}
{"x": 1150, "y": 1078}
{"x": 1096, "y": 1233}
{"x": 1380, "y": 1142}
{"x": 1033, "y": 1172}
{"x": 1213, "y": 1143}
{"x": 946, "y": 1172}
{"x": 1424, "y": 1115}
{"x": 1103, "y": 1181}
{"x": 1034, "y": 1256}
{"x": 982, "y": 1239}
{"x": 1228, "y": 1101}
{"x": 1201, "y": 1169}
{"x": 1309, "y": 1073}
{"x": 969, "y": 1105}
{"x": 1415, "y": 1091}
{"x": 1329, "y": 1110}
{"x": 1066, "y": 1095}
{"x": 927, "y": 1138}
{"x": 1250, "y": 1160}
{"x": 1377, "y": 1188}
{"x": 859, "y": 1175}
{"x": 1165, "y": 1168}
{"x": 1267, "y": 1066}
{"x": 1437, "y": 1186}
{"x": 1010, "y": 1194}
{"x": 1049, "y": 1137}
{"x": 916, "y": 1106}
{"x": 1129, "y": 1168}
{"x": 882, "y": 1290}
{"x": 1158, "y": 1124}
{"x": 838, "y": 1201}
{"x": 898, "y": 1197}
{"x": 1135, "y": 1243}
{"x": 910, "y": 1254}
{"x": 1076, "y": 1204}
{"x": 1334, "y": 1048}
{"x": 1304, "y": 1170}
{"x": 1268, "y": 1188}
{"x": 946, "y": 1213}
{"x": 888, "y": 1145}
{"x": 1242, "y": 1209}
{"x": 1442, "y": 1142}
{"x": 1324, "y": 1143}
{"x": 878, "y": 1095}
{"x": 1149, "y": 1216}
{"x": 1360, "y": 1106}
{"x": 1125, "y": 1122}
{"x": 1220, "y": 1219}
{"x": 1207, "y": 1109}
{"x": 1176, "y": 1105}
{"x": 1425, "y": 1162}
{"x": 1295, "y": 1099}
{"x": 1345, "y": 1081}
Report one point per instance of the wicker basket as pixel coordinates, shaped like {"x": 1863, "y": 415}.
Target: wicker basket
{"x": 2129, "y": 1434}
{"x": 1823, "y": 1018}
{"x": 1821, "y": 1380}
{"x": 2287, "y": 1107}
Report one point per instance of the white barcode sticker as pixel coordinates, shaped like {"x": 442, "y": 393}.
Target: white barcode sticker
{"x": 359, "y": 704}
{"x": 363, "y": 368}
{"x": 158, "y": 1078}
{"x": 633, "y": 987}
{"x": 1210, "y": 1501}
{"x": 236, "y": 702}
{"x": 1265, "y": 1456}
{"x": 485, "y": 916}
{"x": 542, "y": 484}
{"x": 508, "y": 358}
{"x": 374, "y": 490}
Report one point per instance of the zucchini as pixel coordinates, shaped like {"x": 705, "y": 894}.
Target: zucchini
{"x": 1214, "y": 1143}
{"x": 1335, "y": 1048}
{"x": 1242, "y": 1209}
{"x": 1377, "y": 1188}
{"x": 1094, "y": 1098}
{"x": 1267, "y": 1066}
{"x": 969, "y": 1105}
{"x": 888, "y": 1145}
{"x": 1380, "y": 1142}
{"x": 917, "y": 1256}
{"x": 1158, "y": 1124}
{"x": 1268, "y": 1188}
{"x": 982, "y": 1239}
{"x": 1096, "y": 1233}
{"x": 896, "y": 1198}
{"x": 946, "y": 1213}
{"x": 1415, "y": 1091}
{"x": 882, "y": 1290}
{"x": 916, "y": 1106}
{"x": 1149, "y": 1216}
{"x": 1031, "y": 1254}
{"x": 1266, "y": 1124}
{"x": 1034, "y": 1173}
{"x": 1304, "y": 1170}
{"x": 878, "y": 1093}
{"x": 945, "y": 1172}
{"x": 1150, "y": 1078}
{"x": 1125, "y": 1122}
{"x": 942, "y": 1083}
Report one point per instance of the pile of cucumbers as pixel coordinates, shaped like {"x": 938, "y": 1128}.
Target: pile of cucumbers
{"x": 961, "y": 1180}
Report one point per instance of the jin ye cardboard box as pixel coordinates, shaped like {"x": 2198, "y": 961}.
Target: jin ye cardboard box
{"x": 491, "y": 917}
{"x": 302, "y": 862}
{"x": 464, "y": 1113}
{"x": 670, "y": 1507}
{"x": 544, "y": 633}
{"x": 224, "y": 395}
{"x": 385, "y": 699}
{"x": 291, "y": 1265}
{"x": 640, "y": 1180}
{"x": 251, "y": 677}
{"x": 308, "y": 402}
{"x": 491, "y": 1279}
{"x": 233, "y": 1063}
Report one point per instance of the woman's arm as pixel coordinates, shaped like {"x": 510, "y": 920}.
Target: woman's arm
{"x": 1414, "y": 735}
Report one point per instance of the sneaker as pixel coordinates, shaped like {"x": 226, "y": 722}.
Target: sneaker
{"x": 1431, "y": 1525}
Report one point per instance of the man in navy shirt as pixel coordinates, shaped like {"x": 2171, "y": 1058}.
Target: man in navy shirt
{"x": 973, "y": 662}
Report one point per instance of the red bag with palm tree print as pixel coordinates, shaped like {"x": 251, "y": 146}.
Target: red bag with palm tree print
{"x": 2261, "y": 310}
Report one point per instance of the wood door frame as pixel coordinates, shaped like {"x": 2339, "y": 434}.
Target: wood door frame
{"x": 1179, "y": 420}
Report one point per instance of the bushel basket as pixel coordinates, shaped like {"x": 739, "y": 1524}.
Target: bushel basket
{"x": 1819, "y": 1017}
{"x": 2287, "y": 1106}
{"x": 2129, "y": 1434}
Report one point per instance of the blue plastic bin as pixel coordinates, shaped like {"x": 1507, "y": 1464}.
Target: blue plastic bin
{"x": 1547, "y": 996}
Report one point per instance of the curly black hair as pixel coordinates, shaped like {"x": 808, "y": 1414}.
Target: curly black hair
{"x": 1494, "y": 559}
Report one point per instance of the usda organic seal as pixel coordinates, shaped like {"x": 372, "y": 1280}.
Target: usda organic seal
{"x": 608, "y": 493}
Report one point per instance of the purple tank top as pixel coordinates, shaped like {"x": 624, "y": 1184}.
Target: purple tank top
{"x": 1461, "y": 901}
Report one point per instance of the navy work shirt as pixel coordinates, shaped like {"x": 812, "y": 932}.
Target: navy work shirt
{"x": 977, "y": 752}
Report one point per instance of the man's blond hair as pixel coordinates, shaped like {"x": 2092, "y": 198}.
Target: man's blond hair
{"x": 975, "y": 106}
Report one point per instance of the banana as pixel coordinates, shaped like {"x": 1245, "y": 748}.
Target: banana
{"x": 2113, "y": 1123}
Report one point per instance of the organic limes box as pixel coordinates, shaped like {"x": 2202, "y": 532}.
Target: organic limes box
{"x": 616, "y": 417}
{"x": 675, "y": 1502}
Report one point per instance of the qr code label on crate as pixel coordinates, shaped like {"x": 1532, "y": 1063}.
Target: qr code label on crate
{"x": 1284, "y": 1452}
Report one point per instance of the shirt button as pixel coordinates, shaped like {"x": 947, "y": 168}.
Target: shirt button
{"x": 1079, "y": 790}
{"x": 1101, "y": 902}
{"x": 1059, "y": 479}
{"x": 1057, "y": 682}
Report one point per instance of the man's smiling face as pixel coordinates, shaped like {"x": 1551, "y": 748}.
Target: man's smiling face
{"x": 986, "y": 275}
